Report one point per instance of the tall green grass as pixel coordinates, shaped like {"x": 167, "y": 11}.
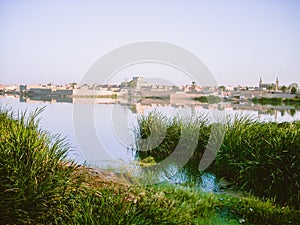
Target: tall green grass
{"x": 158, "y": 136}
{"x": 32, "y": 171}
{"x": 261, "y": 157}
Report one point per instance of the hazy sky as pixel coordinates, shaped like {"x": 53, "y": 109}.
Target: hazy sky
{"x": 57, "y": 41}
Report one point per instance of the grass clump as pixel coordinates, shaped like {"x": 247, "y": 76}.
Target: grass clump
{"x": 261, "y": 157}
{"x": 32, "y": 171}
{"x": 158, "y": 136}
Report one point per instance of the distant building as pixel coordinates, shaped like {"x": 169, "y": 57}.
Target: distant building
{"x": 229, "y": 88}
{"x": 269, "y": 85}
{"x": 140, "y": 82}
{"x": 23, "y": 88}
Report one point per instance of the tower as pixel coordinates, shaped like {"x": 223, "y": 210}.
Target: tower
{"x": 260, "y": 82}
{"x": 277, "y": 84}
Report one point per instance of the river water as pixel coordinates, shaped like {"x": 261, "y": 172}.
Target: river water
{"x": 114, "y": 122}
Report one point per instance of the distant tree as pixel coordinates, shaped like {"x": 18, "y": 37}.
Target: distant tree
{"x": 272, "y": 87}
{"x": 283, "y": 88}
{"x": 293, "y": 90}
{"x": 293, "y": 85}
{"x": 222, "y": 88}
{"x": 73, "y": 84}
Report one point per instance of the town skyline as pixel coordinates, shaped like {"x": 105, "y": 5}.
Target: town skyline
{"x": 138, "y": 86}
{"x": 155, "y": 81}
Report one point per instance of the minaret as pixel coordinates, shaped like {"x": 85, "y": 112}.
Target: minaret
{"x": 277, "y": 84}
{"x": 260, "y": 82}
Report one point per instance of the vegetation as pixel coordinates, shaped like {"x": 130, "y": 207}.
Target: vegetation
{"x": 265, "y": 101}
{"x": 293, "y": 90}
{"x": 33, "y": 175}
{"x": 276, "y": 101}
{"x": 272, "y": 87}
{"x": 292, "y": 100}
{"x": 284, "y": 88}
{"x": 263, "y": 158}
{"x": 38, "y": 186}
{"x": 208, "y": 99}
{"x": 158, "y": 97}
{"x": 222, "y": 88}
{"x": 158, "y": 136}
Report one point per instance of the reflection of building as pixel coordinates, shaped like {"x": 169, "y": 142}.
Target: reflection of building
{"x": 44, "y": 98}
{"x": 40, "y": 91}
{"x": 63, "y": 92}
{"x": 269, "y": 85}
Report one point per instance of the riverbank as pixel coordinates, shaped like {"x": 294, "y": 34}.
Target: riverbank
{"x": 38, "y": 185}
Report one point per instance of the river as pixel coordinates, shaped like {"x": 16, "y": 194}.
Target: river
{"x": 114, "y": 121}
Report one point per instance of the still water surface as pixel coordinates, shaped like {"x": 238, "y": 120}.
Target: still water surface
{"x": 57, "y": 117}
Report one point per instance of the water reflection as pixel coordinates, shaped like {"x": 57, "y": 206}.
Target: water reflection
{"x": 57, "y": 118}
{"x": 45, "y": 98}
{"x": 188, "y": 177}
{"x": 204, "y": 181}
{"x": 277, "y": 112}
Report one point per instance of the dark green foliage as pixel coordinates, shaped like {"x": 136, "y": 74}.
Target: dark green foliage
{"x": 268, "y": 101}
{"x": 292, "y": 101}
{"x": 208, "y": 99}
{"x": 32, "y": 172}
{"x": 158, "y": 136}
{"x": 293, "y": 90}
{"x": 276, "y": 101}
{"x": 263, "y": 158}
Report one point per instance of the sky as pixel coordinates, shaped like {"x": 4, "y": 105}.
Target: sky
{"x": 239, "y": 41}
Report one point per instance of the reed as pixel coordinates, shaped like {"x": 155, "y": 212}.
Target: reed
{"x": 158, "y": 136}
{"x": 32, "y": 170}
{"x": 261, "y": 157}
